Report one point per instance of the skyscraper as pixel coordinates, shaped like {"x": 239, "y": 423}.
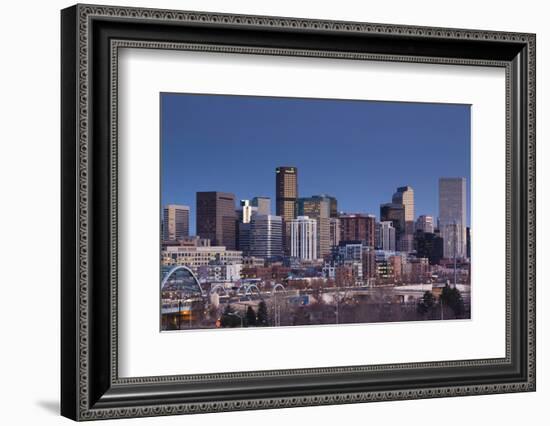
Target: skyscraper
{"x": 332, "y": 201}
{"x": 318, "y": 208}
{"x": 242, "y": 227}
{"x": 394, "y": 213}
{"x": 452, "y": 216}
{"x": 385, "y": 236}
{"x": 335, "y": 236}
{"x": 425, "y": 223}
{"x": 175, "y": 222}
{"x": 216, "y": 218}
{"x": 263, "y": 205}
{"x": 468, "y": 246}
{"x": 243, "y": 237}
{"x": 303, "y": 238}
{"x": 405, "y": 196}
{"x": 245, "y": 211}
{"x": 429, "y": 245}
{"x": 266, "y": 236}
{"x": 286, "y": 192}
{"x": 357, "y": 227}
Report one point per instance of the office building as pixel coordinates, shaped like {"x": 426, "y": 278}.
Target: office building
{"x": 217, "y": 272}
{"x": 334, "y": 225}
{"x": 396, "y": 264}
{"x": 429, "y": 245}
{"x": 262, "y": 204}
{"x": 418, "y": 270}
{"x": 286, "y": 192}
{"x": 303, "y": 238}
{"x": 405, "y": 196}
{"x": 266, "y": 236}
{"x": 332, "y": 201}
{"x": 425, "y": 223}
{"x": 385, "y": 236}
{"x": 245, "y": 211}
{"x": 406, "y": 243}
{"x": 243, "y": 238}
{"x": 468, "y": 236}
{"x": 216, "y": 218}
{"x": 452, "y": 216}
{"x": 356, "y": 252}
{"x": 192, "y": 241}
{"x": 357, "y": 227}
{"x": 175, "y": 225}
{"x": 195, "y": 257}
{"x": 395, "y": 213}
{"x": 317, "y": 208}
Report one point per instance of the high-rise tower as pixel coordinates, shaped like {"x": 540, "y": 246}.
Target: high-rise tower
{"x": 303, "y": 238}
{"x": 452, "y": 216}
{"x": 317, "y": 208}
{"x": 358, "y": 227}
{"x": 175, "y": 222}
{"x": 263, "y": 204}
{"x": 216, "y": 218}
{"x": 405, "y": 195}
{"x": 266, "y": 236}
{"x": 286, "y": 194}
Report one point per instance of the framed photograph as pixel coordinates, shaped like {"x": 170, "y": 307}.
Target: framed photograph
{"x": 263, "y": 212}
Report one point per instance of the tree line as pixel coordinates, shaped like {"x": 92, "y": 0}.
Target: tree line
{"x": 231, "y": 318}
{"x": 450, "y": 304}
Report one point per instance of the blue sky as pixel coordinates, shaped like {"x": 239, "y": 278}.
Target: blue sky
{"x": 357, "y": 151}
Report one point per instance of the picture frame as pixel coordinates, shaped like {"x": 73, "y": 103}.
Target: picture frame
{"x": 90, "y": 384}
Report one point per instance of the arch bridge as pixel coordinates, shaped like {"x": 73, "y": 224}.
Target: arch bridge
{"x": 191, "y": 277}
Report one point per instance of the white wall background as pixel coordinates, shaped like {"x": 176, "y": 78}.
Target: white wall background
{"x": 29, "y": 211}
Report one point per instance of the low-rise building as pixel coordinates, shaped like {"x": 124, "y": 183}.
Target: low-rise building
{"x": 249, "y": 261}
{"x": 276, "y": 273}
{"x": 195, "y": 257}
{"x": 219, "y": 273}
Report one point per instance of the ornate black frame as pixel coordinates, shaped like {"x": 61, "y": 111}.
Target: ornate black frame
{"x": 91, "y": 37}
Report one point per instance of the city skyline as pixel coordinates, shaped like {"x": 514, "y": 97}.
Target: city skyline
{"x": 298, "y": 207}
{"x": 182, "y": 178}
{"x": 285, "y": 195}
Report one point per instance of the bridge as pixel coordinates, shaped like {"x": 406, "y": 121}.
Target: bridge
{"x": 180, "y": 278}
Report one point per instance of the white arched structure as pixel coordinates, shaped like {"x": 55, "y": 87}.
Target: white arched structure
{"x": 276, "y": 286}
{"x": 246, "y": 289}
{"x": 218, "y": 286}
{"x": 179, "y": 268}
{"x": 249, "y": 288}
